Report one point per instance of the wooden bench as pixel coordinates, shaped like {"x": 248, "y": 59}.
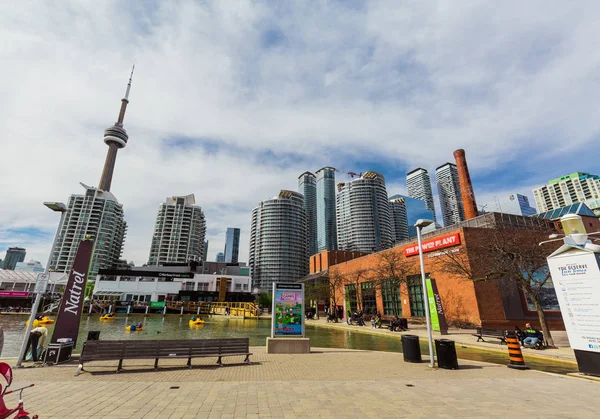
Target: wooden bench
{"x": 112, "y": 350}
{"x": 491, "y": 333}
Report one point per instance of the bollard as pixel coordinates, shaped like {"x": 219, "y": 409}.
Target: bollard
{"x": 514, "y": 353}
{"x": 110, "y": 308}
{"x": 91, "y": 307}
{"x": 128, "y": 309}
{"x": 198, "y": 312}
{"x": 181, "y": 313}
{"x": 146, "y": 314}
{"x": 164, "y": 310}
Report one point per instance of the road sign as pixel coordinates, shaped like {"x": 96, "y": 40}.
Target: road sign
{"x": 41, "y": 282}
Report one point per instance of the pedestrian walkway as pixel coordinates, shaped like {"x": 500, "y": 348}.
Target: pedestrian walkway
{"x": 464, "y": 337}
{"x": 328, "y": 383}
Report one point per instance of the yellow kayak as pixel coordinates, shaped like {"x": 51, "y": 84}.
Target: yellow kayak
{"x": 36, "y": 322}
{"x": 107, "y": 317}
{"x": 196, "y": 322}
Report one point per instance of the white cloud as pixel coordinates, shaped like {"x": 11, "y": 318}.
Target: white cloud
{"x": 404, "y": 82}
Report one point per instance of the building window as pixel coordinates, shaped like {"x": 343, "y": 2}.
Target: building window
{"x": 392, "y": 305}
{"x": 188, "y": 286}
{"x": 351, "y": 298}
{"x": 415, "y": 296}
{"x": 245, "y": 287}
{"x": 202, "y": 286}
{"x": 369, "y": 300}
{"x": 238, "y": 287}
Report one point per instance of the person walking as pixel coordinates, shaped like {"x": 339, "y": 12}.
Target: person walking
{"x": 37, "y": 337}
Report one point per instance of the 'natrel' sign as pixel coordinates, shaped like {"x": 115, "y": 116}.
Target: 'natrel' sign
{"x": 440, "y": 242}
{"x": 69, "y": 313}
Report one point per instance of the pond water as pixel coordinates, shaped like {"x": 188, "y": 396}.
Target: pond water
{"x": 176, "y": 327}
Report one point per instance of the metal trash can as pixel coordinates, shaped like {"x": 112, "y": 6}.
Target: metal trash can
{"x": 446, "y": 354}
{"x": 411, "y": 348}
{"x": 93, "y": 335}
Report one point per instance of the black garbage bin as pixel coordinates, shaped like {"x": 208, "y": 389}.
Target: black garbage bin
{"x": 93, "y": 335}
{"x": 411, "y": 348}
{"x": 446, "y": 354}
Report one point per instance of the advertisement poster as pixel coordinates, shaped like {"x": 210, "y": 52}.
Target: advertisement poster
{"x": 69, "y": 313}
{"x": 576, "y": 278}
{"x": 288, "y": 310}
{"x": 438, "y": 318}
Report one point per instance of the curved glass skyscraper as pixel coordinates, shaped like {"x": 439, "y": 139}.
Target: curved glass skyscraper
{"x": 278, "y": 244}
{"x": 326, "y": 212}
{"x": 364, "y": 218}
{"x": 307, "y": 186}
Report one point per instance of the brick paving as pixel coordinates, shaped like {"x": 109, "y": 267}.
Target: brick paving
{"x": 328, "y": 383}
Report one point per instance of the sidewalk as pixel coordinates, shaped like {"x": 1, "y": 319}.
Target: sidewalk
{"x": 464, "y": 337}
{"x": 328, "y": 383}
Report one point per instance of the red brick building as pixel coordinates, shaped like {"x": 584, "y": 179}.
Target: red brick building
{"x": 492, "y": 304}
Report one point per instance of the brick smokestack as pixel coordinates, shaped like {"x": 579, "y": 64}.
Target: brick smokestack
{"x": 466, "y": 186}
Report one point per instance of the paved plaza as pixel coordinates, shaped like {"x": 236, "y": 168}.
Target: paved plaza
{"x": 328, "y": 383}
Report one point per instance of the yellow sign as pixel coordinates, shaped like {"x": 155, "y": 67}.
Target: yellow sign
{"x": 223, "y": 289}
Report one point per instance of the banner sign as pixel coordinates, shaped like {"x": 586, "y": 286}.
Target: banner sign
{"x": 437, "y": 243}
{"x": 288, "y": 310}
{"x": 14, "y": 294}
{"x": 71, "y": 306}
{"x": 438, "y": 318}
{"x": 157, "y": 304}
{"x": 146, "y": 274}
{"x": 576, "y": 278}
{"x": 223, "y": 282}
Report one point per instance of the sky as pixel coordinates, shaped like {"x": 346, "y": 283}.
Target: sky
{"x": 233, "y": 100}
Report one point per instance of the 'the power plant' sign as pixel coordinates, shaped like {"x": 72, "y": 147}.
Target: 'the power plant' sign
{"x": 437, "y": 243}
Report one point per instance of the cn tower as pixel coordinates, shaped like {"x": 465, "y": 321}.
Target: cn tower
{"x": 115, "y": 137}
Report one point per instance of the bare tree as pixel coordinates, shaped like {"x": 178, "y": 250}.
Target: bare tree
{"x": 337, "y": 280}
{"x": 317, "y": 289}
{"x": 353, "y": 278}
{"x": 510, "y": 256}
{"x": 390, "y": 273}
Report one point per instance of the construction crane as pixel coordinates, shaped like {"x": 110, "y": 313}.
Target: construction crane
{"x": 351, "y": 174}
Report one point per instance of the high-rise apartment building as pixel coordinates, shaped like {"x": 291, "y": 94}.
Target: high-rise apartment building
{"x": 364, "y": 219}
{"x": 448, "y": 186}
{"x": 179, "y": 232}
{"x": 96, "y": 214}
{"x": 307, "y": 186}
{"x": 326, "y": 210}
{"x": 510, "y": 204}
{"x": 278, "y": 244}
{"x": 566, "y": 190}
{"x": 399, "y": 220}
{"x": 232, "y": 245}
{"x": 418, "y": 185}
{"x": 13, "y": 256}
{"x": 220, "y": 257}
{"x": 416, "y": 209}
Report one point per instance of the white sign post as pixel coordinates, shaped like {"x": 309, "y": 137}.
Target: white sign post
{"x": 41, "y": 283}
{"x": 576, "y": 276}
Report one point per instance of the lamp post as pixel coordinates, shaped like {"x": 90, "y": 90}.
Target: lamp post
{"x": 57, "y": 207}
{"x": 420, "y": 224}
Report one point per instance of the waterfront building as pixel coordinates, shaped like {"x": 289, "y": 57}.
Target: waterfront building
{"x": 418, "y": 185}
{"x": 513, "y": 203}
{"x": 278, "y": 243}
{"x": 399, "y": 219}
{"x": 416, "y": 209}
{"x": 31, "y": 266}
{"x": 326, "y": 210}
{"x": 96, "y": 214}
{"x": 448, "y": 186}
{"x": 307, "y": 186}
{"x": 364, "y": 218}
{"x": 179, "y": 232}
{"x": 232, "y": 245}
{"x": 220, "y": 257}
{"x": 565, "y": 190}
{"x": 13, "y": 256}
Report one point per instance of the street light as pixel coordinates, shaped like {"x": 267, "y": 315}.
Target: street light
{"x": 420, "y": 224}
{"x": 57, "y": 207}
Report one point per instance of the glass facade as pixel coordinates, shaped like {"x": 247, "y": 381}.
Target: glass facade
{"x": 418, "y": 185}
{"x": 415, "y": 209}
{"x": 307, "y": 186}
{"x": 392, "y": 304}
{"x": 326, "y": 212}
{"x": 449, "y": 192}
{"x": 232, "y": 245}
{"x": 415, "y": 296}
{"x": 368, "y": 297}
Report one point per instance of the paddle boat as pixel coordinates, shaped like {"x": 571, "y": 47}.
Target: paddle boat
{"x": 107, "y": 316}
{"x": 195, "y": 321}
{"x": 40, "y": 320}
{"x": 134, "y": 327}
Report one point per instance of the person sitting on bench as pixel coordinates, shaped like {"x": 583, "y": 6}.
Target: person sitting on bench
{"x": 532, "y": 336}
